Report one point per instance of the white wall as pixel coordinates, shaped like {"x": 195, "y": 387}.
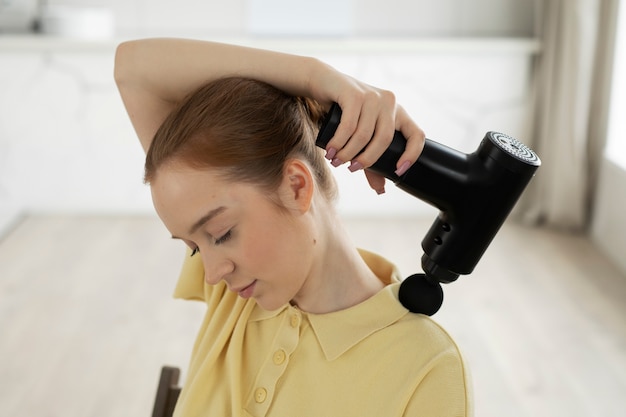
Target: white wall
{"x": 371, "y": 17}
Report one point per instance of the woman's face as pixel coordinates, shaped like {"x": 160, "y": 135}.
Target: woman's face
{"x": 259, "y": 250}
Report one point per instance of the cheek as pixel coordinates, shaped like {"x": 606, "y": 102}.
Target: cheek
{"x": 276, "y": 248}
{"x": 263, "y": 245}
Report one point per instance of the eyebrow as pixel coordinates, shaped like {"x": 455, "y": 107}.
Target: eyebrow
{"x": 203, "y": 220}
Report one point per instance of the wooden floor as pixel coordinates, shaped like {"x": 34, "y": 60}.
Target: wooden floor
{"x": 86, "y": 318}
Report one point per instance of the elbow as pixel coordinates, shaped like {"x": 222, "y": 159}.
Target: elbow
{"x": 122, "y": 64}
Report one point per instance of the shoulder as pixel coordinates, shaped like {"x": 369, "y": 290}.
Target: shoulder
{"x": 420, "y": 328}
{"x": 427, "y": 328}
{"x": 443, "y": 384}
{"x": 421, "y": 353}
{"x": 426, "y": 344}
{"x": 422, "y": 338}
{"x": 443, "y": 379}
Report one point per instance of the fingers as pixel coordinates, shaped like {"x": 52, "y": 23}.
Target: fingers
{"x": 366, "y": 129}
{"x": 364, "y": 134}
{"x": 415, "y": 139}
{"x": 368, "y": 123}
{"x": 380, "y": 138}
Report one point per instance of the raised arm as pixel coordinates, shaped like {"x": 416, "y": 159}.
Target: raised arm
{"x": 153, "y": 75}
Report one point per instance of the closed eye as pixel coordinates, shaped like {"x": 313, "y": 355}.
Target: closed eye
{"x": 224, "y": 238}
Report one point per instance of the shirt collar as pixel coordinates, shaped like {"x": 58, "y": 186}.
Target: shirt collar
{"x": 339, "y": 331}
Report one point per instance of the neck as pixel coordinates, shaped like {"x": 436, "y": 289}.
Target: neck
{"x": 340, "y": 278}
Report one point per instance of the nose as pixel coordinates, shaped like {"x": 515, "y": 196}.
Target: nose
{"x": 215, "y": 269}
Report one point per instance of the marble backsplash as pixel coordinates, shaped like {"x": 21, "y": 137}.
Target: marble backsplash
{"x": 67, "y": 145}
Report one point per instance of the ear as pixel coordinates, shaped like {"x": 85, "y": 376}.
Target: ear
{"x": 297, "y": 187}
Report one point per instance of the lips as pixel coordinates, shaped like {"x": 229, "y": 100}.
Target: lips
{"x": 247, "y": 291}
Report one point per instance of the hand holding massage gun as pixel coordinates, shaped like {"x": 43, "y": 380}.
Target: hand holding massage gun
{"x": 474, "y": 193}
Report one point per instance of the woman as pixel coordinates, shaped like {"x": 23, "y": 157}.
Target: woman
{"x": 299, "y": 322}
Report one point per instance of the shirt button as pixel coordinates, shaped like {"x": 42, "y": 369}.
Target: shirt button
{"x": 295, "y": 320}
{"x": 279, "y": 357}
{"x": 260, "y": 395}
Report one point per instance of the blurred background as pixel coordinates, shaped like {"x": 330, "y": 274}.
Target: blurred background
{"x": 86, "y": 270}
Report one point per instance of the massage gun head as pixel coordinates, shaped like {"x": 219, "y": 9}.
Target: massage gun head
{"x": 514, "y": 154}
{"x": 474, "y": 193}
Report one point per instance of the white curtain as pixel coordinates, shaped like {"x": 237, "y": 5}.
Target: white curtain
{"x": 570, "y": 109}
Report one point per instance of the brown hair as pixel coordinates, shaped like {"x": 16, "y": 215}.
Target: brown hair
{"x": 247, "y": 129}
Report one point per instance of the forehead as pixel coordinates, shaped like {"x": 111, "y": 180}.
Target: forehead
{"x": 181, "y": 195}
{"x": 175, "y": 182}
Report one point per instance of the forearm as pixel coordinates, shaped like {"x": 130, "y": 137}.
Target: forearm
{"x": 154, "y": 75}
{"x": 172, "y": 68}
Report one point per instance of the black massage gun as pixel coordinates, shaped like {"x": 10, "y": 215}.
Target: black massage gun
{"x": 474, "y": 193}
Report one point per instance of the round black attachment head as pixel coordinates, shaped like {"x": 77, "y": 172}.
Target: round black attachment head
{"x": 420, "y": 295}
{"x": 515, "y": 148}
{"x": 510, "y": 153}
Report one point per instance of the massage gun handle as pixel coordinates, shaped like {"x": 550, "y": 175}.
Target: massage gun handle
{"x": 440, "y": 169}
{"x": 387, "y": 161}
{"x": 435, "y": 156}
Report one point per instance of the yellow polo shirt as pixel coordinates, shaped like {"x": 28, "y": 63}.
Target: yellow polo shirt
{"x": 372, "y": 359}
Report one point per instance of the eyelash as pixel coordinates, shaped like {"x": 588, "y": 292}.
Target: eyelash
{"x": 225, "y": 238}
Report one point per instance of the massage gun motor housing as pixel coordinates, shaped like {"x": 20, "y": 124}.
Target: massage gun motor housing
{"x": 474, "y": 193}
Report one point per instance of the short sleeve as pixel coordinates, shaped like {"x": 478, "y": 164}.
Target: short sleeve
{"x": 445, "y": 390}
